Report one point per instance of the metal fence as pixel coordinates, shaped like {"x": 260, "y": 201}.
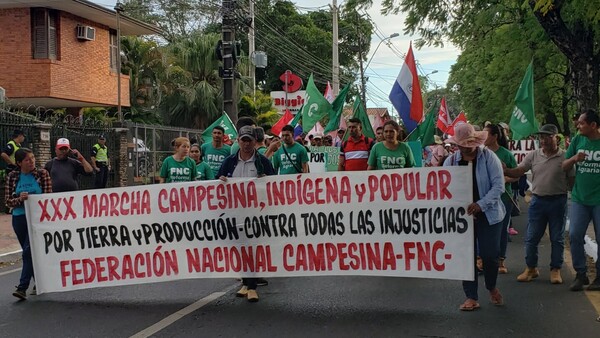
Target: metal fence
{"x": 151, "y": 144}
{"x": 83, "y": 133}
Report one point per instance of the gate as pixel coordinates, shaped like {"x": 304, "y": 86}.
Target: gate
{"x": 83, "y": 133}
{"x": 150, "y": 145}
{"x": 9, "y": 122}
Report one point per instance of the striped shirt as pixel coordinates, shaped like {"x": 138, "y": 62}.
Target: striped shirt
{"x": 356, "y": 153}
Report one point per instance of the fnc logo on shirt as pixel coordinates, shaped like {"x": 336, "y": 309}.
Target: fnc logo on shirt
{"x": 180, "y": 171}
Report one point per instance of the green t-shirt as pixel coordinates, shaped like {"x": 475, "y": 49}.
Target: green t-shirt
{"x": 508, "y": 159}
{"x": 587, "y": 173}
{"x": 234, "y": 148}
{"x": 297, "y": 153}
{"x": 214, "y": 157}
{"x": 383, "y": 158}
{"x": 178, "y": 171}
{"x": 262, "y": 150}
{"x": 204, "y": 172}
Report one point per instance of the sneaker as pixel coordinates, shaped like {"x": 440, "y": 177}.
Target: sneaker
{"x": 502, "y": 268}
{"x": 580, "y": 280}
{"x": 243, "y": 292}
{"x": 528, "y": 275}
{"x": 20, "y": 293}
{"x": 33, "y": 292}
{"x": 496, "y": 297}
{"x": 555, "y": 277}
{"x": 261, "y": 282}
{"x": 595, "y": 286}
{"x": 512, "y": 231}
{"x": 252, "y": 296}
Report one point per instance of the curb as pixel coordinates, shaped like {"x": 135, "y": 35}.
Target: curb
{"x": 10, "y": 256}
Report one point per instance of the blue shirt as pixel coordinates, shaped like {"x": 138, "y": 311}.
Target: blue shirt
{"x": 27, "y": 183}
{"x": 490, "y": 182}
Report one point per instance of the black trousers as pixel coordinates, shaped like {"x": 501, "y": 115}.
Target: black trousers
{"x": 101, "y": 177}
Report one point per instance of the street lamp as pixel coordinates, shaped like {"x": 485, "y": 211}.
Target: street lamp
{"x": 362, "y": 69}
{"x": 379, "y": 45}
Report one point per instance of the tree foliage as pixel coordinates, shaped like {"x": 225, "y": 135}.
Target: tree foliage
{"x": 499, "y": 38}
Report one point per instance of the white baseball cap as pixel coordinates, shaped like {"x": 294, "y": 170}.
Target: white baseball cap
{"x": 63, "y": 142}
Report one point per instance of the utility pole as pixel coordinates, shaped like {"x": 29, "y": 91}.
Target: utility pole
{"x": 335, "y": 57}
{"x": 363, "y": 82}
{"x": 228, "y": 37}
{"x": 119, "y": 9}
{"x": 251, "y": 48}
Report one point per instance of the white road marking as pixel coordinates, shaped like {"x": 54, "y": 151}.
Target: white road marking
{"x": 147, "y": 332}
{"x": 9, "y": 272}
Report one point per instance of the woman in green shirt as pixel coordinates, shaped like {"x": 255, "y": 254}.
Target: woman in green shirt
{"x": 203, "y": 169}
{"x": 390, "y": 153}
{"x": 179, "y": 167}
{"x": 497, "y": 142}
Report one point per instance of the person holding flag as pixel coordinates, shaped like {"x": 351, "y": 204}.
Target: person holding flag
{"x": 215, "y": 152}
{"x": 354, "y": 152}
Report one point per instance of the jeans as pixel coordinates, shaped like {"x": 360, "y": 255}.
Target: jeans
{"x": 544, "y": 210}
{"x": 488, "y": 237}
{"x": 581, "y": 215}
{"x": 19, "y": 224}
{"x": 505, "y": 223}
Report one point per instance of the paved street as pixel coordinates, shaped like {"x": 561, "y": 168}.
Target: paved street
{"x": 307, "y": 307}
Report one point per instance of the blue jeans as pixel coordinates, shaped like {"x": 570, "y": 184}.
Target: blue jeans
{"x": 19, "y": 224}
{"x": 544, "y": 210}
{"x": 488, "y": 237}
{"x": 505, "y": 223}
{"x": 581, "y": 215}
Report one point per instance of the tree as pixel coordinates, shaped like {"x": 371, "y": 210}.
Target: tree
{"x": 572, "y": 26}
{"x": 176, "y": 19}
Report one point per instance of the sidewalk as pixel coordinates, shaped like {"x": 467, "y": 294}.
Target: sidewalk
{"x": 10, "y": 250}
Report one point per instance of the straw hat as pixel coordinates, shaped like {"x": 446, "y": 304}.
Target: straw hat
{"x": 466, "y": 136}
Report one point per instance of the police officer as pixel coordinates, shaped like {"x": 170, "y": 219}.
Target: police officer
{"x": 100, "y": 163}
{"x": 8, "y": 153}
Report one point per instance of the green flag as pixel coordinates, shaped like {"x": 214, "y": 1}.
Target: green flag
{"x": 223, "y": 121}
{"x": 426, "y": 129}
{"x": 296, "y": 118}
{"x": 360, "y": 113}
{"x": 315, "y": 106}
{"x": 337, "y": 107}
{"x": 522, "y": 120}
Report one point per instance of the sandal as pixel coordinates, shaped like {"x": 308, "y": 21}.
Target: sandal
{"x": 496, "y": 297}
{"x": 469, "y": 305}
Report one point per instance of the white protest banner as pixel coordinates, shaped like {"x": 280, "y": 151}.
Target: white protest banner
{"x": 521, "y": 148}
{"x": 403, "y": 223}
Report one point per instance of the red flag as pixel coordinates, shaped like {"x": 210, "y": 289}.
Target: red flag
{"x": 461, "y": 118}
{"x": 284, "y": 120}
{"x": 328, "y": 93}
{"x": 443, "y": 122}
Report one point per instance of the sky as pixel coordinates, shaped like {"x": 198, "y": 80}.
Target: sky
{"x": 385, "y": 65}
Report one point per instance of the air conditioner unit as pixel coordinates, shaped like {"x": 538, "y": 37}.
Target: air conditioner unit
{"x": 86, "y": 33}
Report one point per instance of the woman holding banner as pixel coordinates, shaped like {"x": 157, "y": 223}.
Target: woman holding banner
{"x": 391, "y": 153}
{"x": 179, "y": 167}
{"x": 26, "y": 179}
{"x": 487, "y": 209}
{"x": 497, "y": 142}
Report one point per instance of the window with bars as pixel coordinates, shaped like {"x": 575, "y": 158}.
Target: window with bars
{"x": 113, "y": 51}
{"x": 44, "y": 33}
